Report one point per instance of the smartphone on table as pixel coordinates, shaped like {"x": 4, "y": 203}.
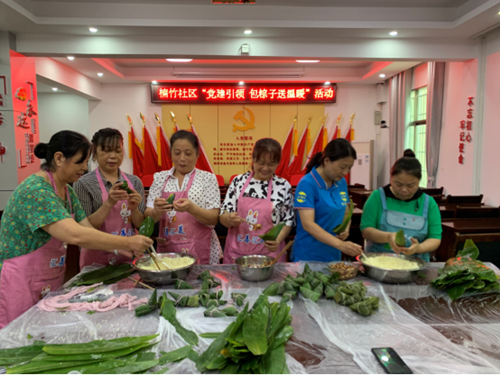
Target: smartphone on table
{"x": 391, "y": 361}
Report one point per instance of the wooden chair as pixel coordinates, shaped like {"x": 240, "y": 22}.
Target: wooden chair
{"x": 356, "y": 186}
{"x": 464, "y": 200}
{"x": 487, "y": 243}
{"x": 147, "y": 180}
{"x": 476, "y": 212}
{"x": 433, "y": 191}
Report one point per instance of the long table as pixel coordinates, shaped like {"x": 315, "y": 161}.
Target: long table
{"x": 430, "y": 332}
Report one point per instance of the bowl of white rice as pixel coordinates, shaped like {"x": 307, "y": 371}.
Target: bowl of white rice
{"x": 391, "y": 268}
{"x": 173, "y": 266}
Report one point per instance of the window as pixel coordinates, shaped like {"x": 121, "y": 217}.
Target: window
{"x": 416, "y": 130}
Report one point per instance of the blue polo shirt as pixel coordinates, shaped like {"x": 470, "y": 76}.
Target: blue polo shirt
{"x": 329, "y": 206}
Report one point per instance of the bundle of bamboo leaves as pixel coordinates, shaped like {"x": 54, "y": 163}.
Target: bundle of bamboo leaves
{"x": 122, "y": 355}
{"x": 253, "y": 343}
{"x": 107, "y": 275}
{"x": 313, "y": 284}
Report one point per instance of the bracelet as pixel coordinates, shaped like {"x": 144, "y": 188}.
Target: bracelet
{"x": 116, "y": 252}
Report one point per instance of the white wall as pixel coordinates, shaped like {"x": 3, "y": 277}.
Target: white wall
{"x": 362, "y": 100}
{"x": 118, "y": 100}
{"x": 59, "y": 111}
{"x": 460, "y": 83}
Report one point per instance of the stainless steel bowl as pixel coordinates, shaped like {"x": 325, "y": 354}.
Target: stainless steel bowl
{"x": 248, "y": 267}
{"x": 165, "y": 276}
{"x": 391, "y": 276}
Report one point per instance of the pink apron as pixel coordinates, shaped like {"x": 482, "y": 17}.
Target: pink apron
{"x": 243, "y": 240}
{"x": 182, "y": 232}
{"x": 26, "y": 279}
{"x": 118, "y": 222}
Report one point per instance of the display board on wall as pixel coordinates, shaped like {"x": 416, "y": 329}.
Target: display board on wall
{"x": 251, "y": 93}
{"x": 229, "y": 132}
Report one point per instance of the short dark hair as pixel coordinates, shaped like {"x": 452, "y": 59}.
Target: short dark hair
{"x": 190, "y": 137}
{"x": 267, "y": 146}
{"x": 68, "y": 142}
{"x": 408, "y": 164}
{"x": 336, "y": 149}
{"x": 107, "y": 137}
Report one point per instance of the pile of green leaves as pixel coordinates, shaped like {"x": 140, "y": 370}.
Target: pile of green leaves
{"x": 107, "y": 275}
{"x": 314, "y": 284}
{"x": 119, "y": 356}
{"x": 253, "y": 343}
{"x": 466, "y": 273}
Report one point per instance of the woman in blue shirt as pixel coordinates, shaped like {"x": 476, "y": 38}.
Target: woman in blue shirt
{"x": 321, "y": 200}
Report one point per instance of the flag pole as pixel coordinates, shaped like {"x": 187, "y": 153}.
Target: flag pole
{"x": 158, "y": 140}
{"x": 172, "y": 115}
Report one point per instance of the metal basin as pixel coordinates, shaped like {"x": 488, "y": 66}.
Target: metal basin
{"x": 391, "y": 276}
{"x": 165, "y": 276}
{"x": 248, "y": 267}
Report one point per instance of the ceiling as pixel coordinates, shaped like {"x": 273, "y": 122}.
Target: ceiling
{"x": 349, "y": 37}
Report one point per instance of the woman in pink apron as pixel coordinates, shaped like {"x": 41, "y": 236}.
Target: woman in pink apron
{"x": 109, "y": 208}
{"x": 186, "y": 226}
{"x": 42, "y": 215}
{"x": 255, "y": 202}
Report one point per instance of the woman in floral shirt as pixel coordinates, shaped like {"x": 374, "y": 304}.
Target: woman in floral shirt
{"x": 41, "y": 217}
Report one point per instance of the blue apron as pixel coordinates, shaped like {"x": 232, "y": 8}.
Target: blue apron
{"x": 392, "y": 221}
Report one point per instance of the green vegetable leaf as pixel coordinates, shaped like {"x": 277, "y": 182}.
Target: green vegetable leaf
{"x": 90, "y": 312}
{"x": 29, "y": 337}
{"x": 255, "y": 328}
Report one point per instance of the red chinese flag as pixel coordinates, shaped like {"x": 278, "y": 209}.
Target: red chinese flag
{"x": 296, "y": 163}
{"x": 203, "y": 163}
{"x": 137, "y": 156}
{"x": 335, "y": 134}
{"x": 317, "y": 147}
{"x": 166, "y": 159}
{"x": 285, "y": 154}
{"x": 150, "y": 155}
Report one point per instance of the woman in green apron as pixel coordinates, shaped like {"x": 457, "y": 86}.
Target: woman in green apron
{"x": 402, "y": 205}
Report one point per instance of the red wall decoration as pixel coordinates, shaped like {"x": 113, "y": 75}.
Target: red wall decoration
{"x": 465, "y": 129}
{"x": 199, "y": 93}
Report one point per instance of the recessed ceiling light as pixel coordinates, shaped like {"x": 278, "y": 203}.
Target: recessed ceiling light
{"x": 54, "y": 88}
{"x": 242, "y": 83}
{"x": 179, "y": 60}
{"x": 100, "y": 74}
{"x": 307, "y": 61}
{"x": 71, "y": 58}
{"x": 382, "y": 75}
{"x": 327, "y": 82}
{"x": 247, "y": 32}
{"x": 93, "y": 29}
{"x": 393, "y": 33}
{"x": 154, "y": 82}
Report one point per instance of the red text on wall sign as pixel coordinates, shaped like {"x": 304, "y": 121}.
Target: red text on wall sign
{"x": 176, "y": 92}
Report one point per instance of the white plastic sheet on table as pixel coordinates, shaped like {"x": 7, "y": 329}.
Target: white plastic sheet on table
{"x": 430, "y": 332}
